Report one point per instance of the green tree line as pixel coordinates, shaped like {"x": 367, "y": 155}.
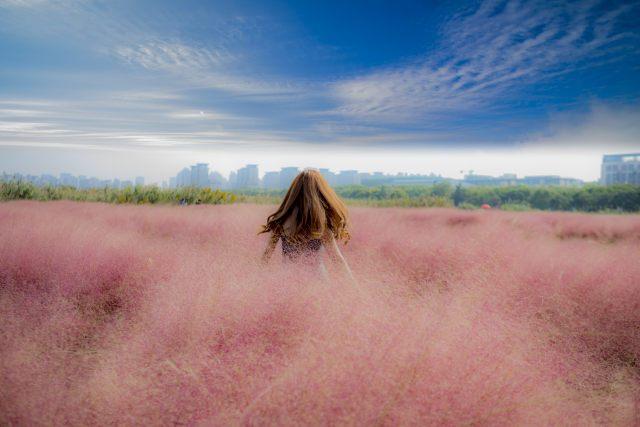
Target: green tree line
{"x": 589, "y": 198}
{"x": 20, "y": 190}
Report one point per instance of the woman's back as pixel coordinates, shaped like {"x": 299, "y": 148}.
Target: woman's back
{"x": 293, "y": 250}
{"x": 310, "y": 217}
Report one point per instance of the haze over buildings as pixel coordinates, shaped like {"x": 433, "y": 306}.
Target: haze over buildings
{"x": 615, "y": 169}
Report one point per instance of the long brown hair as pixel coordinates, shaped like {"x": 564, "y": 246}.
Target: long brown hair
{"x": 318, "y": 208}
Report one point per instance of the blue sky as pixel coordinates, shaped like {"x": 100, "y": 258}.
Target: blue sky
{"x": 121, "y": 88}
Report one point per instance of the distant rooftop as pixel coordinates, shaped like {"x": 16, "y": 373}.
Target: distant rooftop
{"x": 629, "y": 157}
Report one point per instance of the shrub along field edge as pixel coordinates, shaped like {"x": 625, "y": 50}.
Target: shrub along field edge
{"x": 589, "y": 198}
{"x": 17, "y": 190}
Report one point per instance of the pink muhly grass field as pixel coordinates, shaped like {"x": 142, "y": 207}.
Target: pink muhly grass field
{"x": 163, "y": 315}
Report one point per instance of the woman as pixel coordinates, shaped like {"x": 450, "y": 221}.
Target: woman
{"x": 310, "y": 217}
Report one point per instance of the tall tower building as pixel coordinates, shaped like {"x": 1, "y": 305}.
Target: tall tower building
{"x": 329, "y": 176}
{"x": 287, "y": 175}
{"x": 183, "y": 179}
{"x": 349, "y": 177}
{"x": 68, "y": 179}
{"x": 200, "y": 175}
{"x": 620, "y": 169}
{"x": 233, "y": 179}
{"x": 271, "y": 180}
{"x": 248, "y": 177}
{"x": 216, "y": 180}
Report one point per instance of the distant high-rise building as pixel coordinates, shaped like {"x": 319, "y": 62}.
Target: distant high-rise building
{"x": 47, "y": 179}
{"x": 140, "y": 180}
{"x": 68, "y": 179}
{"x": 200, "y": 175}
{"x": 504, "y": 180}
{"x": 233, "y": 179}
{"x": 348, "y": 177}
{"x": 183, "y": 179}
{"x": 248, "y": 177}
{"x": 253, "y": 176}
{"x": 287, "y": 175}
{"x": 172, "y": 182}
{"x": 364, "y": 176}
{"x": 83, "y": 182}
{"x": 509, "y": 179}
{"x": 550, "y": 180}
{"x": 271, "y": 180}
{"x": 376, "y": 178}
{"x": 329, "y": 176}
{"x": 10, "y": 177}
{"x": 620, "y": 169}
{"x": 216, "y": 180}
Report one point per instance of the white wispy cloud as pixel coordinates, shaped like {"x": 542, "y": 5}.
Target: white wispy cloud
{"x": 158, "y": 120}
{"x": 19, "y": 103}
{"x": 22, "y": 3}
{"x": 488, "y": 53}
{"x": 171, "y": 56}
{"x": 138, "y": 96}
{"x": 11, "y": 127}
{"x": 162, "y": 124}
{"x": 203, "y": 67}
{"x": 200, "y": 115}
{"x": 19, "y": 112}
{"x": 222, "y": 62}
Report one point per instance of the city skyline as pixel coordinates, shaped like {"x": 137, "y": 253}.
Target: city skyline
{"x": 453, "y": 164}
{"x": 200, "y": 176}
{"x": 615, "y": 168}
{"x": 186, "y": 174}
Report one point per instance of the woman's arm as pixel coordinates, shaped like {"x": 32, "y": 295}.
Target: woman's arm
{"x": 335, "y": 254}
{"x": 271, "y": 246}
